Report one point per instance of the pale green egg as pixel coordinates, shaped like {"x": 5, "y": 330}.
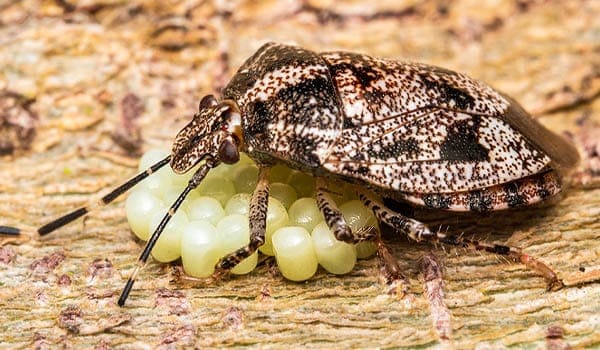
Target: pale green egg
{"x": 168, "y": 245}
{"x": 285, "y": 193}
{"x": 234, "y": 233}
{"x": 140, "y": 206}
{"x": 305, "y": 212}
{"x": 239, "y": 203}
{"x": 277, "y": 217}
{"x": 205, "y": 208}
{"x": 335, "y": 256}
{"x": 295, "y": 253}
{"x": 200, "y": 248}
{"x": 360, "y": 217}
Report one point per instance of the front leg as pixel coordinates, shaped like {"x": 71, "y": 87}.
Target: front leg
{"x": 258, "y": 223}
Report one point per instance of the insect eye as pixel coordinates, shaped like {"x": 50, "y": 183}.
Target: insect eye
{"x": 206, "y": 102}
{"x": 230, "y": 115}
{"x": 228, "y": 152}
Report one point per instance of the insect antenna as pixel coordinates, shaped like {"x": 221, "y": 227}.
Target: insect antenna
{"x": 193, "y": 183}
{"x": 77, "y": 213}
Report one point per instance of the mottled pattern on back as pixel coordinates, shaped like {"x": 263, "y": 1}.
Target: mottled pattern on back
{"x": 416, "y": 128}
{"x": 289, "y": 105}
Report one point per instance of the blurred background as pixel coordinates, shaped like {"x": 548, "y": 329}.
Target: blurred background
{"x": 87, "y": 86}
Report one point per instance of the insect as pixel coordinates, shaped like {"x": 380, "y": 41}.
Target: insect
{"x": 419, "y": 134}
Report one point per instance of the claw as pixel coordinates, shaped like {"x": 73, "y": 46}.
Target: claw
{"x": 554, "y": 285}
{"x": 219, "y": 273}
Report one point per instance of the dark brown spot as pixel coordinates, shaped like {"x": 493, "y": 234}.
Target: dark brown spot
{"x": 437, "y": 201}
{"x": 259, "y": 115}
{"x": 543, "y": 193}
{"x": 447, "y": 93}
{"x": 347, "y": 123}
{"x": 462, "y": 144}
{"x": 400, "y": 148}
{"x": 479, "y": 201}
{"x": 364, "y": 73}
{"x": 513, "y": 198}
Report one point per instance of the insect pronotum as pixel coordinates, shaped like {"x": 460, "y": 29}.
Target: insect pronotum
{"x": 415, "y": 133}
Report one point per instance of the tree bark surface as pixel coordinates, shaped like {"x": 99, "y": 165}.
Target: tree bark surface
{"x": 85, "y": 87}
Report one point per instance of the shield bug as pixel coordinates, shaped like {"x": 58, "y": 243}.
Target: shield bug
{"x": 419, "y": 134}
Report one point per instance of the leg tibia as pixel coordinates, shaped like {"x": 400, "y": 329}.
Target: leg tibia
{"x": 414, "y": 229}
{"x": 420, "y": 232}
{"x": 258, "y": 224}
{"x": 335, "y": 220}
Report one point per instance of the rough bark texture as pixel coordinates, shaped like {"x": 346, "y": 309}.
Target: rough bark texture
{"x": 86, "y": 85}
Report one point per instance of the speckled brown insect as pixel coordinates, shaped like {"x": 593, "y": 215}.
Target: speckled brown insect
{"x": 415, "y": 133}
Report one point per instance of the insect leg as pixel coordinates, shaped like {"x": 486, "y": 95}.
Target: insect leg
{"x": 335, "y": 220}
{"x": 77, "y": 213}
{"x": 258, "y": 224}
{"x": 193, "y": 183}
{"x": 415, "y": 230}
{"x": 420, "y": 232}
{"x": 389, "y": 271}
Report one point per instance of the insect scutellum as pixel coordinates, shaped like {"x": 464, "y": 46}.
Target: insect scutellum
{"x": 420, "y": 134}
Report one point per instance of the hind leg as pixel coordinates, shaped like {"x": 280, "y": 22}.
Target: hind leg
{"x": 420, "y": 232}
{"x": 389, "y": 271}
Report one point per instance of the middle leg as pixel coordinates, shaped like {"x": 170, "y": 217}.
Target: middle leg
{"x": 335, "y": 220}
{"x": 389, "y": 271}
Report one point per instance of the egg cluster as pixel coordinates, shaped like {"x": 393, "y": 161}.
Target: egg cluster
{"x": 213, "y": 220}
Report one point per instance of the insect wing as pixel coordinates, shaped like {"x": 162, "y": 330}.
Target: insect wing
{"x": 417, "y": 128}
